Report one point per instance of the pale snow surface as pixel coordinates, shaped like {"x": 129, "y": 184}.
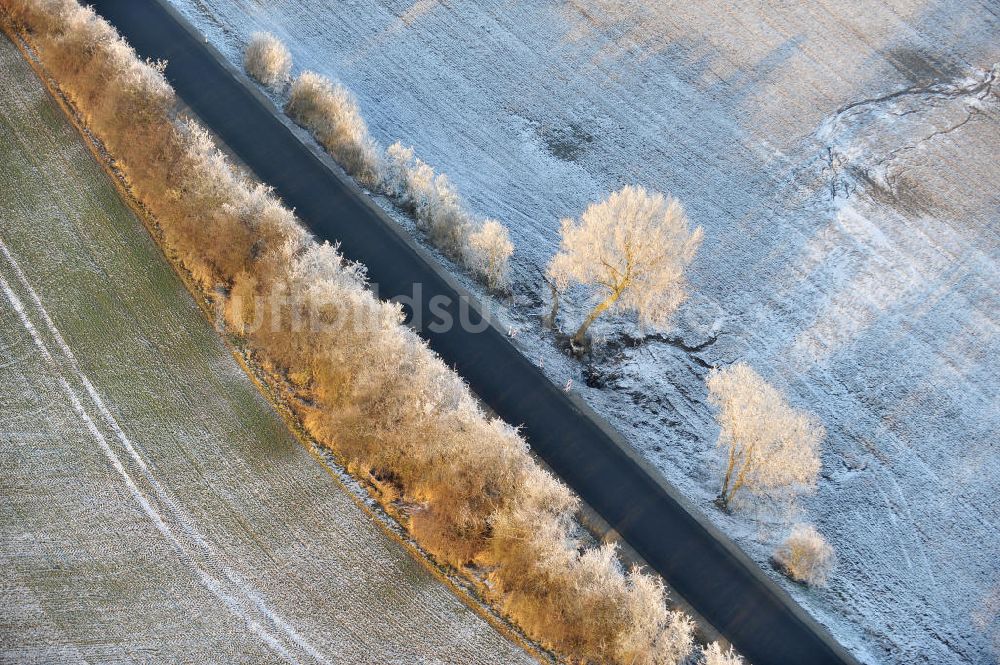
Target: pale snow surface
{"x": 843, "y": 160}
{"x": 153, "y": 506}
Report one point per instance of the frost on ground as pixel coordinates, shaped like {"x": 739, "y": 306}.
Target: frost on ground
{"x": 842, "y": 160}
{"x": 154, "y": 507}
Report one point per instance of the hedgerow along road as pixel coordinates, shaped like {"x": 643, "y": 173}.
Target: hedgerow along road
{"x": 699, "y": 562}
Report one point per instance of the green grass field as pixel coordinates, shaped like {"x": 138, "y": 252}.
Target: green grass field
{"x": 153, "y": 506}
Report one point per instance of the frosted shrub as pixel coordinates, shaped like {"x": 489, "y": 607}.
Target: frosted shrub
{"x": 481, "y": 245}
{"x": 630, "y": 251}
{"x": 583, "y": 601}
{"x": 441, "y": 214}
{"x": 771, "y": 448}
{"x": 487, "y": 253}
{"x": 361, "y": 383}
{"x": 405, "y": 177}
{"x": 805, "y": 556}
{"x": 431, "y": 197}
{"x": 329, "y": 111}
{"x": 399, "y": 176}
{"x": 267, "y": 59}
{"x": 714, "y": 655}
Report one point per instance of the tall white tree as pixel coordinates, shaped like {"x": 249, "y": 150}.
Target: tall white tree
{"x": 631, "y": 251}
{"x": 771, "y": 448}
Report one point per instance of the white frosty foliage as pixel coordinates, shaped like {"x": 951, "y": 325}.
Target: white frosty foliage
{"x": 267, "y": 59}
{"x": 805, "y": 556}
{"x": 714, "y": 655}
{"x": 482, "y": 246}
{"x": 771, "y": 448}
{"x": 488, "y": 253}
{"x": 331, "y": 113}
{"x": 671, "y": 632}
{"x": 631, "y": 251}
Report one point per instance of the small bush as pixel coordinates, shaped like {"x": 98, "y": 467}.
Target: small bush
{"x": 267, "y": 59}
{"x": 805, "y": 556}
{"x": 330, "y": 112}
{"x": 487, "y": 253}
{"x": 404, "y": 176}
{"x": 714, "y": 655}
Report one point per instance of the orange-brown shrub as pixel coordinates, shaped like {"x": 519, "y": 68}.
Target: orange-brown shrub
{"x": 331, "y": 113}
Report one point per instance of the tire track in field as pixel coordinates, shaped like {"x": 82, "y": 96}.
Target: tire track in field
{"x": 239, "y": 596}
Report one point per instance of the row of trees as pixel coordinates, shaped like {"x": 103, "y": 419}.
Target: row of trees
{"x": 362, "y": 383}
{"x": 629, "y": 251}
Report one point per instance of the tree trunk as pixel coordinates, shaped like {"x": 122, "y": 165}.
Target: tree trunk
{"x": 581, "y": 333}
{"x": 723, "y": 499}
{"x": 733, "y": 485}
{"x": 550, "y": 320}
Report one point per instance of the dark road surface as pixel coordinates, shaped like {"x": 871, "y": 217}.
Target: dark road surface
{"x": 701, "y": 564}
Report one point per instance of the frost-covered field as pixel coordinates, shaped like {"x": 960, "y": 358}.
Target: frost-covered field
{"x": 843, "y": 159}
{"x": 153, "y": 507}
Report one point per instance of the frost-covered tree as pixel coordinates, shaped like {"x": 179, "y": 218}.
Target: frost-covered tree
{"x": 267, "y": 59}
{"x": 631, "y": 251}
{"x": 669, "y": 632}
{"x": 771, "y": 448}
{"x": 805, "y": 556}
{"x": 714, "y": 655}
{"x": 592, "y": 609}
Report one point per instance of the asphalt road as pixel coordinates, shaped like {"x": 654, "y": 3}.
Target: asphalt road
{"x": 701, "y": 564}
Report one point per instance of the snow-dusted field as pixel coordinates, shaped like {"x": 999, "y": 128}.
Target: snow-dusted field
{"x": 153, "y": 506}
{"x": 844, "y": 160}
